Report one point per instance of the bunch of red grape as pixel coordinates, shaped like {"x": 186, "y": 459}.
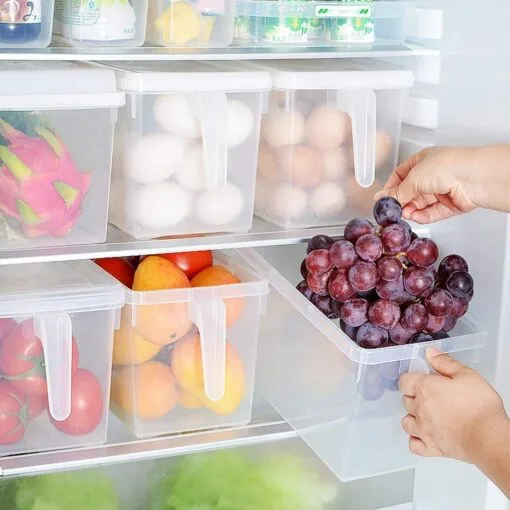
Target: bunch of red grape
{"x": 381, "y": 282}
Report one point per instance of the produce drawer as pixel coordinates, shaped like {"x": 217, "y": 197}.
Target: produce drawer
{"x": 342, "y": 399}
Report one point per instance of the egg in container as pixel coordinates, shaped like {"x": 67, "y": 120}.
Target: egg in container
{"x": 186, "y": 148}
{"x": 329, "y": 140}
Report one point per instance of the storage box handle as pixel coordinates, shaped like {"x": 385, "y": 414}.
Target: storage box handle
{"x": 56, "y": 334}
{"x": 209, "y": 316}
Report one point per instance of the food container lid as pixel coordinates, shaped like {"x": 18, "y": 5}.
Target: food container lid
{"x": 56, "y": 85}
{"x": 189, "y": 77}
{"x": 72, "y": 286}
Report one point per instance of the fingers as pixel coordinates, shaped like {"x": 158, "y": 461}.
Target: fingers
{"x": 418, "y": 447}
{"x": 402, "y": 170}
{"x": 443, "y": 364}
{"x": 432, "y": 214}
{"x": 407, "y": 384}
{"x": 410, "y": 426}
{"x": 410, "y": 405}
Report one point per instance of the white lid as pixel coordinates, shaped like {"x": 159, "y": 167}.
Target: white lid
{"x": 73, "y": 286}
{"x": 56, "y": 85}
{"x": 329, "y": 74}
{"x": 189, "y": 77}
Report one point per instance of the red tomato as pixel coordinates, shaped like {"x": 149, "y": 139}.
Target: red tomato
{"x": 22, "y": 360}
{"x": 6, "y": 326}
{"x": 33, "y": 405}
{"x": 86, "y": 405}
{"x": 13, "y": 415}
{"x": 191, "y": 262}
{"x": 118, "y": 268}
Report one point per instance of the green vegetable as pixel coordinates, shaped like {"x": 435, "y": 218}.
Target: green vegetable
{"x": 231, "y": 480}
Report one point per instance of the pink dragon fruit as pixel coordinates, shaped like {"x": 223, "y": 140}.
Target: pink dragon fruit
{"x": 40, "y": 185}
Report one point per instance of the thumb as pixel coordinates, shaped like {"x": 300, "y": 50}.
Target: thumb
{"x": 442, "y": 363}
{"x": 404, "y": 193}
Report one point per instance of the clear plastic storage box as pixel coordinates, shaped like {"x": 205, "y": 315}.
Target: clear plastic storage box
{"x": 191, "y": 23}
{"x": 343, "y": 400}
{"x": 329, "y": 140}
{"x": 56, "y": 140}
{"x": 101, "y": 24}
{"x": 186, "y": 149}
{"x": 56, "y": 332}
{"x": 184, "y": 359}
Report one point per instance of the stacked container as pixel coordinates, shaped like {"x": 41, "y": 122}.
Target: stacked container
{"x": 186, "y": 149}
{"x": 329, "y": 140}
{"x": 56, "y": 148}
{"x": 184, "y": 359}
{"x": 56, "y": 332}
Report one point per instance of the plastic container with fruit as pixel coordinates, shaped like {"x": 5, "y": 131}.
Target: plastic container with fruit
{"x": 56, "y": 333}
{"x": 184, "y": 356}
{"x": 186, "y": 148}
{"x": 56, "y": 140}
{"x": 336, "y": 381}
{"x": 329, "y": 139}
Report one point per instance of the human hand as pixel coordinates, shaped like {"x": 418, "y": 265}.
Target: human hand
{"x": 455, "y": 413}
{"x": 440, "y": 182}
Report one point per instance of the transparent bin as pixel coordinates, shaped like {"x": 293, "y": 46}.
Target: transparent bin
{"x": 26, "y": 24}
{"x": 311, "y": 23}
{"x": 56, "y": 333}
{"x": 186, "y": 148}
{"x": 342, "y": 400}
{"x": 102, "y": 24}
{"x": 329, "y": 140}
{"x": 56, "y": 141}
{"x": 184, "y": 359}
{"x": 191, "y": 23}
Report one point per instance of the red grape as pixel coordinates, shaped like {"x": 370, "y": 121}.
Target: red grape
{"x": 459, "y": 284}
{"x": 469, "y": 297}
{"x": 343, "y": 254}
{"x": 320, "y": 242}
{"x": 354, "y": 312}
{"x": 420, "y": 338}
{"x": 305, "y": 290}
{"x": 350, "y": 331}
{"x": 304, "y": 270}
{"x": 390, "y": 290}
{"x": 356, "y": 228}
{"x": 449, "y": 323}
{"x": 323, "y": 303}
{"x": 318, "y": 283}
{"x": 435, "y": 324}
{"x": 400, "y": 335}
{"x": 439, "y": 303}
{"x": 387, "y": 211}
{"x": 384, "y": 314}
{"x": 363, "y": 276}
{"x": 450, "y": 264}
{"x": 318, "y": 262}
{"x": 339, "y": 287}
{"x": 389, "y": 269}
{"x": 404, "y": 298}
{"x": 369, "y": 247}
{"x": 406, "y": 226}
{"x": 415, "y": 317}
{"x": 372, "y": 384}
{"x": 423, "y": 252}
{"x": 336, "y": 307}
{"x": 395, "y": 238}
{"x": 459, "y": 308}
{"x": 370, "y": 336}
{"x": 418, "y": 281}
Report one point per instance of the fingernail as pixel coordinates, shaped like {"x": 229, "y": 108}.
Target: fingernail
{"x": 434, "y": 352}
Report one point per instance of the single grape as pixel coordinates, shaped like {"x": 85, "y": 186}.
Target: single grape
{"x": 400, "y": 335}
{"x": 387, "y": 211}
{"x": 391, "y": 291}
{"x": 439, "y": 303}
{"x": 469, "y": 297}
{"x": 459, "y": 284}
{"x": 449, "y": 323}
{"x": 423, "y": 252}
{"x": 343, "y": 254}
{"x": 395, "y": 238}
{"x": 406, "y": 226}
{"x": 339, "y": 287}
{"x": 370, "y": 336}
{"x": 415, "y": 317}
{"x": 369, "y": 247}
{"x": 440, "y": 335}
{"x": 305, "y": 290}
{"x": 450, "y": 264}
{"x": 318, "y": 262}
{"x": 303, "y": 269}
{"x": 384, "y": 314}
{"x": 435, "y": 324}
{"x": 389, "y": 269}
{"x": 354, "y": 312}
{"x": 320, "y": 242}
{"x": 356, "y": 228}
{"x": 459, "y": 308}
{"x": 420, "y": 338}
{"x": 323, "y": 303}
{"x": 350, "y": 331}
{"x": 418, "y": 281}
{"x": 363, "y": 276}
{"x": 372, "y": 384}
{"x": 318, "y": 283}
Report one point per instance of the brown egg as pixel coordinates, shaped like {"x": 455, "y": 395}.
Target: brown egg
{"x": 359, "y": 198}
{"x": 281, "y": 127}
{"x": 268, "y": 167}
{"x": 383, "y": 148}
{"x": 327, "y": 200}
{"x": 338, "y": 163}
{"x": 327, "y": 128}
{"x": 301, "y": 165}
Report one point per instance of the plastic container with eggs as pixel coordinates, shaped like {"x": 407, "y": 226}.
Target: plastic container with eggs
{"x": 329, "y": 139}
{"x": 186, "y": 149}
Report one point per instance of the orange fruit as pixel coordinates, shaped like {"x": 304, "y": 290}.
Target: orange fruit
{"x": 147, "y": 390}
{"x": 188, "y": 400}
{"x": 130, "y": 348}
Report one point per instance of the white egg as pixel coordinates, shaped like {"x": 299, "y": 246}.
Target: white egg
{"x": 159, "y": 206}
{"x": 153, "y": 158}
{"x": 281, "y": 127}
{"x": 327, "y": 199}
{"x": 191, "y": 173}
{"x": 240, "y": 123}
{"x": 338, "y": 163}
{"x": 176, "y": 114}
{"x": 287, "y": 202}
{"x": 220, "y": 206}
